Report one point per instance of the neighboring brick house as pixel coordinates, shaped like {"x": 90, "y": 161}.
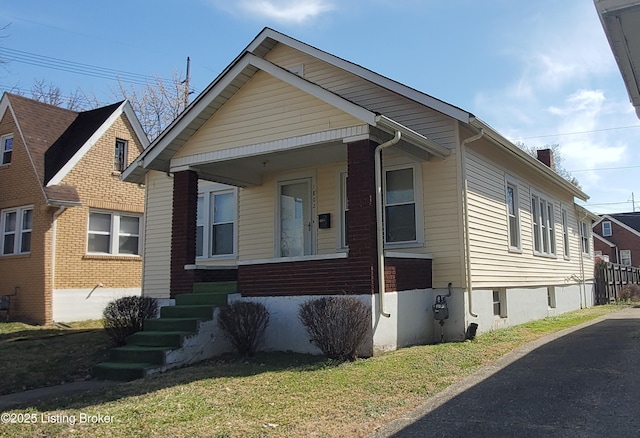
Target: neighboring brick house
{"x": 61, "y": 205}
{"x": 617, "y": 238}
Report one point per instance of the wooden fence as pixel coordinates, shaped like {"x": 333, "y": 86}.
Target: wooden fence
{"x": 611, "y": 278}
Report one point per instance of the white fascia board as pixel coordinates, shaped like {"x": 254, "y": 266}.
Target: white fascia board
{"x": 414, "y": 137}
{"x": 369, "y": 75}
{"x": 135, "y": 124}
{"x": 313, "y": 89}
{"x": 534, "y": 163}
{"x": 603, "y": 240}
{"x": 58, "y": 177}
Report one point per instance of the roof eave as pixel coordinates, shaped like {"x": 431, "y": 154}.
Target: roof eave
{"x": 534, "y": 163}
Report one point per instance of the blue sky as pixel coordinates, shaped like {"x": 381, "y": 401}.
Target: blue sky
{"x": 539, "y": 72}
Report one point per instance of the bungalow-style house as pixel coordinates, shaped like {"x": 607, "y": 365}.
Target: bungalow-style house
{"x": 71, "y": 230}
{"x": 302, "y": 174}
{"x": 617, "y": 238}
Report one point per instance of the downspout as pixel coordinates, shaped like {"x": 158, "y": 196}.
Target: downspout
{"x": 465, "y": 206}
{"x": 583, "y": 292}
{"x": 379, "y": 213}
{"x": 54, "y": 227}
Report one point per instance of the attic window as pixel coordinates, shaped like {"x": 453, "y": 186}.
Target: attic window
{"x": 606, "y": 228}
{"x": 7, "y": 148}
{"x": 120, "y": 156}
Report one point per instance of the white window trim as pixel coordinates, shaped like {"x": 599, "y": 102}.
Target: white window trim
{"x": 125, "y": 153}
{"x": 417, "y": 199}
{"x": 342, "y": 206}
{"x": 627, "y": 251}
{"x": 585, "y": 234}
{"x": 604, "y": 233}
{"x": 513, "y": 183}
{"x": 547, "y": 227}
{"x": 551, "y": 297}
{"x": 566, "y": 238}
{"x": 19, "y": 231}
{"x": 3, "y": 139}
{"x": 206, "y": 192}
{"x": 292, "y": 179}
{"x": 115, "y": 232}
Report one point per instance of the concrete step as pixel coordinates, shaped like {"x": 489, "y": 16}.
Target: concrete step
{"x": 138, "y": 354}
{"x": 187, "y": 311}
{"x": 121, "y": 371}
{"x": 201, "y": 298}
{"x": 172, "y": 324}
{"x": 158, "y": 339}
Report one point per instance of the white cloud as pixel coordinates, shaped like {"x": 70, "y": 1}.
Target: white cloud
{"x": 282, "y": 11}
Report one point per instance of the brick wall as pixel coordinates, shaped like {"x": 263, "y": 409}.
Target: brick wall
{"x": 407, "y": 274}
{"x": 623, "y": 238}
{"x": 99, "y": 188}
{"x": 20, "y": 187}
{"x": 183, "y": 231}
{"x": 361, "y": 192}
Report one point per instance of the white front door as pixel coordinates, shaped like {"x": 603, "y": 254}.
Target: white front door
{"x": 295, "y": 218}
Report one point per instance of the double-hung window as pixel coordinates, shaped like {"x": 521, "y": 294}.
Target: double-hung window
{"x": 625, "y": 257}
{"x": 216, "y": 224}
{"x": 6, "y": 144}
{"x": 17, "y": 224}
{"x": 513, "y": 213}
{"x": 565, "y": 233}
{"x": 584, "y": 237}
{"x": 606, "y": 228}
{"x": 543, "y": 218}
{"x": 400, "y": 206}
{"x": 113, "y": 233}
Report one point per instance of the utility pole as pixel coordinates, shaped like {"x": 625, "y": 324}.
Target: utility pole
{"x": 186, "y": 82}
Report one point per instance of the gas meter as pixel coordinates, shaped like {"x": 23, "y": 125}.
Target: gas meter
{"x": 441, "y": 310}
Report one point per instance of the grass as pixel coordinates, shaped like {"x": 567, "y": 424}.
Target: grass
{"x": 283, "y": 395}
{"x": 38, "y": 356}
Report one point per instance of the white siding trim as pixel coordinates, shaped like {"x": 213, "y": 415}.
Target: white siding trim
{"x": 269, "y": 146}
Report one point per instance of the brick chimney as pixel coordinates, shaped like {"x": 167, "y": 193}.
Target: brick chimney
{"x": 546, "y": 156}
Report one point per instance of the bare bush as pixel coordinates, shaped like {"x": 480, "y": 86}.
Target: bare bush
{"x": 125, "y": 316}
{"x": 244, "y": 324}
{"x": 337, "y": 325}
{"x": 630, "y": 292}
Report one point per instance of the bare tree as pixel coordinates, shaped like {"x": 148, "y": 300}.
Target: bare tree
{"x": 156, "y": 104}
{"x": 557, "y": 159}
{"x": 50, "y": 93}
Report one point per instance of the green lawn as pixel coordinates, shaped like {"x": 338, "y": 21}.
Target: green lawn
{"x": 284, "y": 395}
{"x": 37, "y": 356}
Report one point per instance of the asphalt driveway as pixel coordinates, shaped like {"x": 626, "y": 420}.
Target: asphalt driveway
{"x": 583, "y": 382}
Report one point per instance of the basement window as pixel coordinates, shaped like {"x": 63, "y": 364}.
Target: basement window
{"x": 500, "y": 303}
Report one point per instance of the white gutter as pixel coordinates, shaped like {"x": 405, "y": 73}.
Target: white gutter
{"x": 379, "y": 212}
{"x": 583, "y": 292}
{"x": 465, "y": 206}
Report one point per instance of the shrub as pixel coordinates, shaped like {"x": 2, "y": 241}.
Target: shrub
{"x": 630, "y": 292}
{"x": 337, "y": 326}
{"x": 124, "y": 316}
{"x": 244, "y": 324}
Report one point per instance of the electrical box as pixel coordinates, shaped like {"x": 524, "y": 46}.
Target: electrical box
{"x": 324, "y": 220}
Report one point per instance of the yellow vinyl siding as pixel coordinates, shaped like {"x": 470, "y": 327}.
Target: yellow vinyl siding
{"x": 493, "y": 265}
{"x": 256, "y": 223}
{"x": 327, "y": 200}
{"x": 265, "y": 109}
{"x": 433, "y": 124}
{"x": 157, "y": 242}
{"x": 442, "y": 221}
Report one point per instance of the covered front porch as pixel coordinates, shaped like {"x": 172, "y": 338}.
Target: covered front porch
{"x": 306, "y": 220}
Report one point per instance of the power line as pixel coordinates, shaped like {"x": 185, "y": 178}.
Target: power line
{"x": 603, "y": 168}
{"x": 579, "y": 132}
{"x": 76, "y": 67}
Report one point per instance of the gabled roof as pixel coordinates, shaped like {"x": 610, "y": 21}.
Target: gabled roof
{"x": 251, "y": 60}
{"x": 55, "y": 138}
{"x": 603, "y": 240}
{"x": 628, "y": 221}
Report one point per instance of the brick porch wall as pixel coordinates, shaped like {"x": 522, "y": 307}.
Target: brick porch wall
{"x": 407, "y": 274}
{"x": 313, "y": 277}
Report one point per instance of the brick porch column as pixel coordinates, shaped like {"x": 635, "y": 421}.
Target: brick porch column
{"x": 183, "y": 230}
{"x": 361, "y": 192}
